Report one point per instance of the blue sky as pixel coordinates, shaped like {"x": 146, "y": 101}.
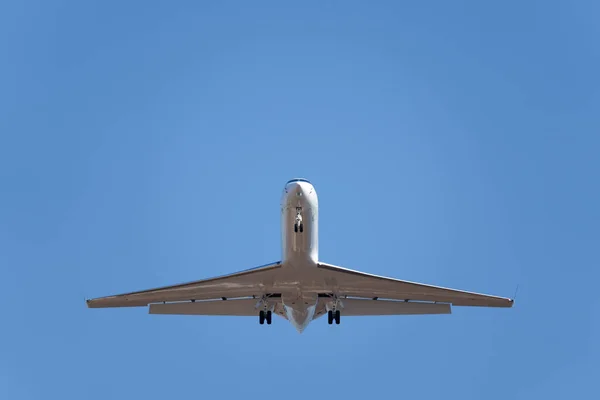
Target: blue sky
{"x": 451, "y": 143}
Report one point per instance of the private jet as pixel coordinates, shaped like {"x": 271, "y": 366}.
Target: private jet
{"x": 299, "y": 287}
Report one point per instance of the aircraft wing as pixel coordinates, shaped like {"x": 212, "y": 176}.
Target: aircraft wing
{"x": 347, "y": 282}
{"x": 247, "y": 283}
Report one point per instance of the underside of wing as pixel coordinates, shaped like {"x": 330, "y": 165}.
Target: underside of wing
{"x": 364, "y": 307}
{"x": 240, "y": 307}
{"x": 347, "y": 282}
{"x": 247, "y": 283}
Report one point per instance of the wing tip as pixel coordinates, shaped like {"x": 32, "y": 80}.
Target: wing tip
{"x": 507, "y": 303}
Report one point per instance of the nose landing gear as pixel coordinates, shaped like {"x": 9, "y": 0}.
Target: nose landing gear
{"x": 298, "y": 226}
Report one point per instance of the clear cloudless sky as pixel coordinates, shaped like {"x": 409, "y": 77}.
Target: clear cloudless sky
{"x": 454, "y": 143}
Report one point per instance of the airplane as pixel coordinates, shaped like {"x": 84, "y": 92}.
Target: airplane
{"x": 300, "y": 287}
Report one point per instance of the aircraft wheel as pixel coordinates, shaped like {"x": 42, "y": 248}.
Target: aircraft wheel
{"x": 337, "y": 317}
{"x": 301, "y": 227}
{"x": 329, "y": 317}
{"x": 268, "y": 317}
{"x": 261, "y": 317}
{"x": 296, "y": 228}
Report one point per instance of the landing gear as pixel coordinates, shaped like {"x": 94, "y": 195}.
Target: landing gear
{"x": 333, "y": 312}
{"x": 264, "y": 316}
{"x": 333, "y": 316}
{"x": 298, "y": 226}
{"x": 265, "y": 313}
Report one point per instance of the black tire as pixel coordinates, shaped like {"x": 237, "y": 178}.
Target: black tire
{"x": 337, "y": 317}
{"x": 329, "y": 317}
{"x": 261, "y": 317}
{"x": 296, "y": 228}
{"x": 301, "y": 227}
{"x": 269, "y": 315}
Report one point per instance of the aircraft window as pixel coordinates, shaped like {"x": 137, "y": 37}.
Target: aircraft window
{"x": 298, "y": 180}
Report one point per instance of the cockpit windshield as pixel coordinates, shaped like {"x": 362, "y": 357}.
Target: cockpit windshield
{"x": 297, "y": 180}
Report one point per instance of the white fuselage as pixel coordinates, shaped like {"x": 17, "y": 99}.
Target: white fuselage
{"x": 300, "y": 246}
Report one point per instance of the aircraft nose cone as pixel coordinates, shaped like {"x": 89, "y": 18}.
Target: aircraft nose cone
{"x": 296, "y": 189}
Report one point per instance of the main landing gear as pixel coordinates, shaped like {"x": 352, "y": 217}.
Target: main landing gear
{"x": 333, "y": 310}
{"x": 264, "y": 316}
{"x": 333, "y": 316}
{"x": 265, "y": 313}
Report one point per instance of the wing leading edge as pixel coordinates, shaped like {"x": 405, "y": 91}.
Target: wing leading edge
{"x": 353, "y": 283}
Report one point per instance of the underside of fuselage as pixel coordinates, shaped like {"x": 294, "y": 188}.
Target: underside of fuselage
{"x": 299, "y": 237}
